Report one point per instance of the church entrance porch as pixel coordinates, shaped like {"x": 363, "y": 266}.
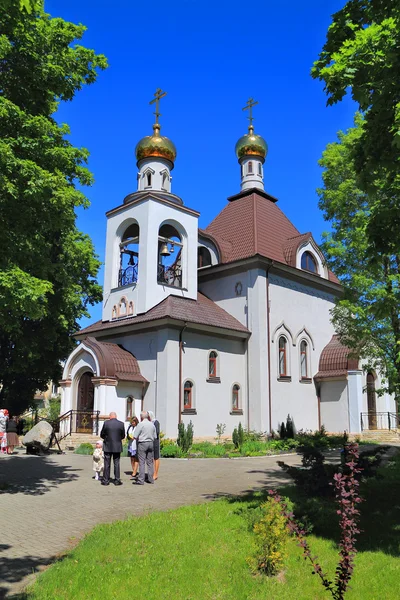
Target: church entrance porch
{"x": 85, "y": 403}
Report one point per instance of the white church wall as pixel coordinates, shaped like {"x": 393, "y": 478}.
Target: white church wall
{"x": 230, "y": 293}
{"x": 213, "y": 401}
{"x": 334, "y": 406}
{"x": 166, "y": 401}
{"x": 303, "y": 312}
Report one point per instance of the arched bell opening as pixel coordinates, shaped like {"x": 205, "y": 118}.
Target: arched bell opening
{"x": 129, "y": 256}
{"x": 170, "y": 259}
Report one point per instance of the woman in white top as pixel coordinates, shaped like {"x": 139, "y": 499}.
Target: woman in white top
{"x": 132, "y": 447}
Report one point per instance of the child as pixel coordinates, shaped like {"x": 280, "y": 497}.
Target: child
{"x": 4, "y": 444}
{"x": 98, "y": 460}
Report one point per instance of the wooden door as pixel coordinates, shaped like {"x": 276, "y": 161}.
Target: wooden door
{"x": 371, "y": 399}
{"x": 84, "y": 419}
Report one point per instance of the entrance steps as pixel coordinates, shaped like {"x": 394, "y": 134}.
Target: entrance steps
{"x": 74, "y": 440}
{"x": 382, "y": 436}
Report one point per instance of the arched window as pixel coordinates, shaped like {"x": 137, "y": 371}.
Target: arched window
{"x": 148, "y": 178}
{"x": 212, "y": 364}
{"x": 304, "y": 360}
{"x": 187, "y": 395}
{"x": 283, "y": 372}
{"x": 129, "y": 256}
{"x": 164, "y": 184}
{"x": 308, "y": 262}
{"x": 250, "y": 167}
{"x": 203, "y": 257}
{"x": 130, "y": 308}
{"x": 170, "y": 246}
{"x": 235, "y": 397}
{"x": 123, "y": 307}
{"x": 114, "y": 312}
{"x": 130, "y": 404}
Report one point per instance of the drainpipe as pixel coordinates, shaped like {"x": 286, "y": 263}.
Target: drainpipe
{"x": 269, "y": 350}
{"x": 180, "y": 371}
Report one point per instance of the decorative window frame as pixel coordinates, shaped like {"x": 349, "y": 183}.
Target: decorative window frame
{"x": 308, "y": 378}
{"x": 213, "y": 378}
{"x": 145, "y": 174}
{"x": 283, "y": 331}
{"x": 165, "y": 177}
{"x": 119, "y": 315}
{"x": 192, "y": 409}
{"x": 312, "y": 248}
{"x": 239, "y": 409}
{"x": 129, "y": 413}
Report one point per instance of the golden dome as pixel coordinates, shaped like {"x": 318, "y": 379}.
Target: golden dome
{"x": 155, "y": 145}
{"x": 251, "y": 144}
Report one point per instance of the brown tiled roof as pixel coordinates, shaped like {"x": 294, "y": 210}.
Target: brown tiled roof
{"x": 335, "y": 361}
{"x": 114, "y": 361}
{"x": 253, "y": 224}
{"x": 202, "y": 311}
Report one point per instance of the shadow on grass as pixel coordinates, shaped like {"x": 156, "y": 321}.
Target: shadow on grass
{"x": 33, "y": 475}
{"x": 380, "y": 510}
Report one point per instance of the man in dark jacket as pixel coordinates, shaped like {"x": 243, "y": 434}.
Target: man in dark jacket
{"x": 113, "y": 432}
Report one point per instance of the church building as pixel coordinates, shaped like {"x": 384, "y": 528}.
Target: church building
{"x": 225, "y": 324}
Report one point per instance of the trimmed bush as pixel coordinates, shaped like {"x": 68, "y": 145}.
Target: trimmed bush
{"x": 85, "y": 448}
{"x": 271, "y": 536}
{"x": 171, "y": 451}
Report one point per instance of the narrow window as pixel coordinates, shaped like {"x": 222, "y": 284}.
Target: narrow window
{"x": 164, "y": 181}
{"x": 129, "y": 408}
{"x": 259, "y": 169}
{"x": 250, "y": 167}
{"x": 304, "y": 360}
{"x": 235, "y": 397}
{"x": 282, "y": 357}
{"x": 148, "y": 179}
{"x": 212, "y": 364}
{"x": 308, "y": 262}
{"x": 187, "y": 395}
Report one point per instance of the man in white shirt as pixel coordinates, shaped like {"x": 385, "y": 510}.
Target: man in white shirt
{"x": 145, "y": 434}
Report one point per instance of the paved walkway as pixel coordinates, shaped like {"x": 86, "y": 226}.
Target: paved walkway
{"x": 48, "y": 503}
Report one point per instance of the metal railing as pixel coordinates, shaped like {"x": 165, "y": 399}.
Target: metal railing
{"x": 128, "y": 276}
{"x": 78, "y": 421}
{"x": 371, "y": 421}
{"x": 170, "y": 275}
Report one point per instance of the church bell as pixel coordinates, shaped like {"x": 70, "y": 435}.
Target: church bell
{"x": 164, "y": 250}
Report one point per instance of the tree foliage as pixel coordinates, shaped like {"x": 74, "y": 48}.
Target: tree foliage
{"x": 362, "y": 56}
{"x": 367, "y": 317}
{"x": 47, "y": 266}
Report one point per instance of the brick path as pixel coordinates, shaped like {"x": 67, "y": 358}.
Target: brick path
{"x": 47, "y": 503}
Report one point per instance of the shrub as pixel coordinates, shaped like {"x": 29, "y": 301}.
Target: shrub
{"x": 271, "y": 535}
{"x": 85, "y": 448}
{"x": 185, "y": 436}
{"x": 220, "y": 429}
{"x": 171, "y": 451}
{"x": 289, "y": 427}
{"x": 165, "y": 442}
{"x": 253, "y": 446}
{"x": 282, "y": 431}
{"x": 240, "y": 435}
{"x": 235, "y": 438}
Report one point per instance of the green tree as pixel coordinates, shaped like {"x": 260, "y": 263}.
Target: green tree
{"x": 48, "y": 268}
{"x": 367, "y": 317}
{"x": 361, "y": 56}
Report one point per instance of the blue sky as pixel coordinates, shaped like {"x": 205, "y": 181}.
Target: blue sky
{"x": 210, "y": 57}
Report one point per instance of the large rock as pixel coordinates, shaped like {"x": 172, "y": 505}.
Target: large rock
{"x": 37, "y": 440}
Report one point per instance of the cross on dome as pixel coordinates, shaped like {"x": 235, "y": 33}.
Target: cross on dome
{"x": 249, "y": 106}
{"x": 158, "y": 95}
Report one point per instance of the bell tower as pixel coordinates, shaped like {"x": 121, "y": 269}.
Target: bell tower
{"x": 151, "y": 247}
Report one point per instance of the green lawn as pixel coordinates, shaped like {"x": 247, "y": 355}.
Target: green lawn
{"x": 199, "y": 553}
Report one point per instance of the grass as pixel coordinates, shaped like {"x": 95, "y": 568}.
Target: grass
{"x": 199, "y": 553}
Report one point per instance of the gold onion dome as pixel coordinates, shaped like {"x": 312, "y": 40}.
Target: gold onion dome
{"x": 155, "y": 145}
{"x": 251, "y": 144}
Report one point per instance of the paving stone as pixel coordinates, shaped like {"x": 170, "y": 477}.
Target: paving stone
{"x": 50, "y": 502}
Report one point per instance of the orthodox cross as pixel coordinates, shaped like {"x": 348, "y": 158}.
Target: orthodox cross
{"x": 158, "y": 95}
{"x": 249, "y": 106}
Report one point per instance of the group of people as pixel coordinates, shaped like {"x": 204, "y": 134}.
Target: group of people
{"x": 8, "y": 432}
{"x": 143, "y": 449}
